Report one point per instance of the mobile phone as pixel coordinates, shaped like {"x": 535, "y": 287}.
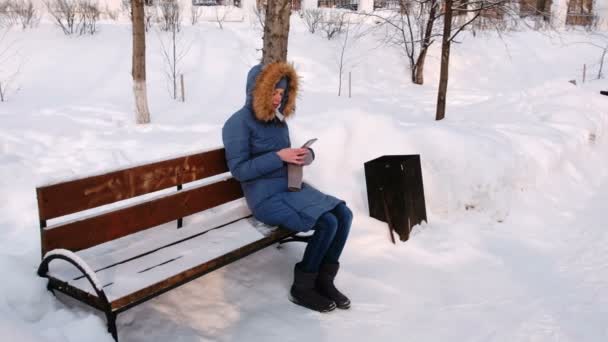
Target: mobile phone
{"x": 309, "y": 142}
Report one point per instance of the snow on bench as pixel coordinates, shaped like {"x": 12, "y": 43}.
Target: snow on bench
{"x": 157, "y": 256}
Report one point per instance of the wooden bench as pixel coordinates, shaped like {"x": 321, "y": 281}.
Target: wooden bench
{"x": 123, "y": 254}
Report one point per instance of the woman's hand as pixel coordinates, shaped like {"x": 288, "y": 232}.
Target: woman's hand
{"x": 293, "y": 155}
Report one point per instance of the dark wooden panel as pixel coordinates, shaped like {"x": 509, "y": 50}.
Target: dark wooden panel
{"x": 77, "y": 195}
{"x": 86, "y": 233}
{"x": 152, "y": 291}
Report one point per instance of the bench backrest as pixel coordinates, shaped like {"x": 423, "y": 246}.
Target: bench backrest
{"x": 77, "y": 195}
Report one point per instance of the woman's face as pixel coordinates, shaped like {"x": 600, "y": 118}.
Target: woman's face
{"x": 277, "y": 96}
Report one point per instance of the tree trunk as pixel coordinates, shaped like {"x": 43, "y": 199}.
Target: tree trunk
{"x": 174, "y": 71}
{"x": 276, "y": 31}
{"x": 139, "y": 62}
{"x": 418, "y": 76}
{"x": 445, "y": 61}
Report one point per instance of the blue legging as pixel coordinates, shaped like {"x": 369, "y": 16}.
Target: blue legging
{"x": 327, "y": 243}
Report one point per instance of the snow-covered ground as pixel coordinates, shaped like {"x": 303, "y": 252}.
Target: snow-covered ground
{"x": 521, "y": 147}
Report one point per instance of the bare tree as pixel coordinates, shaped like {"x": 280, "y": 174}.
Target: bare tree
{"x": 477, "y": 8}
{"x": 10, "y": 63}
{"x": 260, "y": 14}
{"x": 173, "y": 51}
{"x": 110, "y": 13}
{"x": 171, "y": 16}
{"x": 350, "y": 36}
{"x": 150, "y": 16}
{"x": 195, "y": 14}
{"x": 598, "y": 40}
{"x": 7, "y": 16}
{"x": 221, "y": 12}
{"x": 342, "y": 55}
{"x": 412, "y": 30}
{"x": 3, "y": 9}
{"x": 426, "y": 38}
{"x": 139, "y": 63}
{"x": 604, "y": 49}
{"x": 64, "y": 12}
{"x": 89, "y": 14}
{"x": 313, "y": 18}
{"x": 411, "y": 27}
{"x": 26, "y": 13}
{"x": 276, "y": 31}
{"x": 333, "y": 24}
{"x": 603, "y": 46}
{"x": 445, "y": 61}
{"x": 74, "y": 16}
{"x": 125, "y": 5}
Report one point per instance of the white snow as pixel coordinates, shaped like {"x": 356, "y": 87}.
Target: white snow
{"x": 166, "y": 261}
{"x": 81, "y": 263}
{"x": 521, "y": 147}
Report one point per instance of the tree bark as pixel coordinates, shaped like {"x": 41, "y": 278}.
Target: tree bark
{"x": 174, "y": 70}
{"x": 418, "y": 74}
{"x": 445, "y": 61}
{"x": 276, "y": 31}
{"x": 139, "y": 62}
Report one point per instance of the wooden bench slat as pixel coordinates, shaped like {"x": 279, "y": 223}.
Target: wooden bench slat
{"x": 129, "y": 277}
{"x": 156, "y": 272}
{"x": 140, "y": 243}
{"x": 106, "y": 227}
{"x": 86, "y": 193}
{"x": 167, "y": 284}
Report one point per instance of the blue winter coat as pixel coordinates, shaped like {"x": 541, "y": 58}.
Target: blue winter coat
{"x": 252, "y": 136}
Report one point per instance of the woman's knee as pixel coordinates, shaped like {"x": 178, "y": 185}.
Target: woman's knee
{"x": 343, "y": 214}
{"x": 327, "y": 223}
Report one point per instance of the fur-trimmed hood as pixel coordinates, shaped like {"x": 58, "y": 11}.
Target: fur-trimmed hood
{"x": 261, "y": 81}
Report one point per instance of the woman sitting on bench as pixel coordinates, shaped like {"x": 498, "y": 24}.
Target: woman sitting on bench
{"x": 260, "y": 157}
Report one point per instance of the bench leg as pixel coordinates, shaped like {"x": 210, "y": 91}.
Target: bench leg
{"x": 48, "y": 287}
{"x": 111, "y": 317}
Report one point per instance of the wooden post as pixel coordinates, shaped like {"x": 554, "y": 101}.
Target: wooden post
{"x": 181, "y": 76}
{"x": 584, "y": 72}
{"x": 599, "y": 73}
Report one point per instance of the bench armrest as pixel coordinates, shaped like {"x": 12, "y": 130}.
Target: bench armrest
{"x": 76, "y": 261}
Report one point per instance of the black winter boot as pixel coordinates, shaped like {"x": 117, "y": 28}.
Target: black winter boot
{"x": 303, "y": 292}
{"x": 326, "y": 287}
